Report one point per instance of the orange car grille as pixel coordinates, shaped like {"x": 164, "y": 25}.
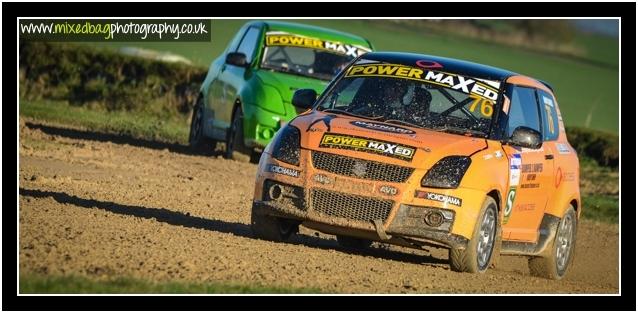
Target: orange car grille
{"x": 360, "y": 168}
{"x": 351, "y": 207}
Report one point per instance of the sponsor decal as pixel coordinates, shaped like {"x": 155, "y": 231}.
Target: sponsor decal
{"x": 511, "y": 195}
{"x": 515, "y": 169}
{"x": 282, "y": 170}
{"x": 470, "y": 86}
{"x": 563, "y": 148}
{"x": 388, "y": 190}
{"x": 497, "y": 154}
{"x": 326, "y": 121}
{"x": 322, "y": 179}
{"x": 534, "y": 185}
{"x": 292, "y": 40}
{"x": 548, "y": 102}
{"x": 515, "y": 177}
{"x": 532, "y": 168}
{"x": 383, "y": 127}
{"x": 428, "y": 64}
{"x": 549, "y": 106}
{"x": 438, "y": 197}
{"x": 569, "y": 176}
{"x": 337, "y": 141}
{"x": 525, "y": 207}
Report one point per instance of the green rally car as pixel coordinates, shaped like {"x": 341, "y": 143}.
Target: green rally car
{"x": 246, "y": 96}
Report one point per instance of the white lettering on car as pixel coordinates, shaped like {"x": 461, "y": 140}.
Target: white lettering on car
{"x": 463, "y": 84}
{"x": 282, "y": 170}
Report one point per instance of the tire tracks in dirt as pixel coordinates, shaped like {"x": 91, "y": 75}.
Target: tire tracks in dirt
{"x": 100, "y": 207}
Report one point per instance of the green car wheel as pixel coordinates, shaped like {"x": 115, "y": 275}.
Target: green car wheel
{"x": 196, "y": 139}
{"x": 235, "y": 148}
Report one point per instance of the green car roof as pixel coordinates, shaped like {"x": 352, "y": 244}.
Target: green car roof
{"x": 316, "y": 31}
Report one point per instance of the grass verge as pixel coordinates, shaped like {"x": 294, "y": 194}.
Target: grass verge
{"x": 31, "y": 283}
{"x": 602, "y": 208}
{"x": 136, "y": 124}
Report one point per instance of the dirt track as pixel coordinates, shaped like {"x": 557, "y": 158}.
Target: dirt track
{"x": 89, "y": 206}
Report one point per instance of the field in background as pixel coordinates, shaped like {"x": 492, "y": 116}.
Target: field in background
{"x": 586, "y": 88}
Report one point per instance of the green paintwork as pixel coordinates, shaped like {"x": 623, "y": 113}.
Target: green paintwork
{"x": 263, "y": 95}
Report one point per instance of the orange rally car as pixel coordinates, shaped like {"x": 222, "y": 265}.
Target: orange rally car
{"x": 419, "y": 150}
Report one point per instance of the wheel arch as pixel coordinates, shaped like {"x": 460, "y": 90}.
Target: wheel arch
{"x": 575, "y": 204}
{"x": 494, "y": 193}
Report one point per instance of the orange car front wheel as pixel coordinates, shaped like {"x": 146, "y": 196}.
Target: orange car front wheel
{"x": 271, "y": 228}
{"x": 476, "y": 257}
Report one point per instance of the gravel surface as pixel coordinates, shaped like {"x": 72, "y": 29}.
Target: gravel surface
{"x": 95, "y": 208}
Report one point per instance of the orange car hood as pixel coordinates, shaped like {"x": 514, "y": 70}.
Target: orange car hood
{"x": 427, "y": 146}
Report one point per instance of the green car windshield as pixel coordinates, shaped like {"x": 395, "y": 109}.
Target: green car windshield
{"x": 305, "y": 56}
{"x": 413, "y": 96}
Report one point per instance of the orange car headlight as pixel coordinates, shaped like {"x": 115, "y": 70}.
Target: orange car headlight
{"x": 447, "y": 172}
{"x": 286, "y": 145}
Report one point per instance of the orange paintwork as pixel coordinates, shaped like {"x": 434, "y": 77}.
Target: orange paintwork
{"x": 489, "y": 172}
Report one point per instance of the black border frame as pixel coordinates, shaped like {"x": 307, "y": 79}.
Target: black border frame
{"x": 626, "y": 11}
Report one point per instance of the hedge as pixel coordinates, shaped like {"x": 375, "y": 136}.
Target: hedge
{"x": 595, "y": 144}
{"x": 83, "y": 75}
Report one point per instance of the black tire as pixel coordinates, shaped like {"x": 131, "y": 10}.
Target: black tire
{"x": 196, "y": 138}
{"x": 254, "y": 157}
{"x": 353, "y": 243}
{"x": 469, "y": 259}
{"x": 551, "y": 265}
{"x": 271, "y": 228}
{"x": 235, "y": 148}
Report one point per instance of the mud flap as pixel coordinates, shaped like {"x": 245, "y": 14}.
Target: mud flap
{"x": 378, "y": 225}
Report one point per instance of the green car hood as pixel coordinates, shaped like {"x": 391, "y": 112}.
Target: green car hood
{"x": 286, "y": 84}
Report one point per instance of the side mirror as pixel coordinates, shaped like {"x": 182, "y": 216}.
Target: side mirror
{"x": 236, "y": 59}
{"x": 526, "y": 137}
{"x": 304, "y": 98}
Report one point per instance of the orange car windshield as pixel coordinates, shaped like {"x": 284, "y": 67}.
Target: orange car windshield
{"x": 414, "y": 97}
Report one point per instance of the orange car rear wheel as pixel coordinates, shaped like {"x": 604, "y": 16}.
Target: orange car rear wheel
{"x": 556, "y": 261}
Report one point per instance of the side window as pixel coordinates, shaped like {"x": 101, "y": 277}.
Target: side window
{"x": 550, "y": 116}
{"x": 523, "y": 110}
{"x": 249, "y": 43}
